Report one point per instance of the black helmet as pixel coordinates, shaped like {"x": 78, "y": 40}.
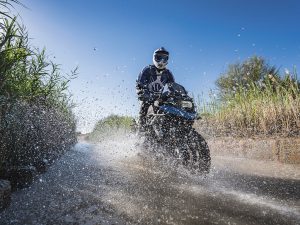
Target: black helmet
{"x": 160, "y": 58}
{"x": 161, "y": 50}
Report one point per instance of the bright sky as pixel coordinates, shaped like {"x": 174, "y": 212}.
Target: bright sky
{"x": 112, "y": 40}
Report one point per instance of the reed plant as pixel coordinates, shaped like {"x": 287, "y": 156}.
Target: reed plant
{"x": 269, "y": 106}
{"x": 26, "y": 72}
{"x": 36, "y": 119}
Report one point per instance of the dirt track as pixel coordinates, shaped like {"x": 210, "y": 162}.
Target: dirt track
{"x": 115, "y": 182}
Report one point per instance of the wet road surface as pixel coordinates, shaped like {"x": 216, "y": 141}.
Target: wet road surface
{"x": 115, "y": 182}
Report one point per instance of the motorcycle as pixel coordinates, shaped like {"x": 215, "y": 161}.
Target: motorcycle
{"x": 169, "y": 126}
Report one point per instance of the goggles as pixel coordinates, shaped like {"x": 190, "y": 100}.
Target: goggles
{"x": 159, "y": 58}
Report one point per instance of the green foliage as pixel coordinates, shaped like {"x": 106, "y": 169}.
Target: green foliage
{"x": 113, "y": 122}
{"x": 33, "y": 135}
{"x": 36, "y": 121}
{"x": 263, "y": 103}
{"x": 241, "y": 75}
{"x": 207, "y": 107}
{"x": 110, "y": 126}
{"x": 26, "y": 74}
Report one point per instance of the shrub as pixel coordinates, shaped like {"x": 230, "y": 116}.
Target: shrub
{"x": 266, "y": 105}
{"x": 36, "y": 121}
{"x": 241, "y": 75}
{"x": 110, "y": 126}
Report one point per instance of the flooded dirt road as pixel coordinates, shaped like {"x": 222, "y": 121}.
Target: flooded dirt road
{"x": 115, "y": 182}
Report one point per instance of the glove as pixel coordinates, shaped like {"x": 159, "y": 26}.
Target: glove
{"x": 141, "y": 91}
{"x": 152, "y": 98}
{"x": 146, "y": 96}
{"x": 141, "y": 94}
{"x": 149, "y": 97}
{"x": 157, "y": 103}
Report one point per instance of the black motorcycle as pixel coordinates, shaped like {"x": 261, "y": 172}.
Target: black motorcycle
{"x": 169, "y": 125}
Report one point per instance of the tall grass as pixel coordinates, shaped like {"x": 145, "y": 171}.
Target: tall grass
{"x": 207, "y": 107}
{"x": 36, "y": 120}
{"x": 26, "y": 72}
{"x": 271, "y": 107}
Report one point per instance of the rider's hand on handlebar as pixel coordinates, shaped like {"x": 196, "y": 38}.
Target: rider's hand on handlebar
{"x": 157, "y": 103}
{"x": 151, "y": 98}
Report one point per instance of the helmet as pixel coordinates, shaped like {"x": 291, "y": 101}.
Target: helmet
{"x": 160, "y": 58}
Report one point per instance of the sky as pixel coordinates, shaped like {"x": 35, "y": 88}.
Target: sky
{"x": 112, "y": 40}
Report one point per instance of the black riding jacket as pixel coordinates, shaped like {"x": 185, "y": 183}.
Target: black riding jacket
{"x": 152, "y": 80}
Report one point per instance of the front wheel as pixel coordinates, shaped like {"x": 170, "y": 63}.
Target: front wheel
{"x": 200, "y": 151}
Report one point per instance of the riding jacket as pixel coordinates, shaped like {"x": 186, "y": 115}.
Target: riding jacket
{"x": 152, "y": 80}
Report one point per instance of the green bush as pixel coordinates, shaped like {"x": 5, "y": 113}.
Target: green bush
{"x": 36, "y": 120}
{"x": 110, "y": 126}
{"x": 34, "y": 134}
{"x": 254, "y": 70}
{"x": 266, "y": 104}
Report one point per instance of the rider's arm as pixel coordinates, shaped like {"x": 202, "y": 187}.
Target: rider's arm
{"x": 142, "y": 79}
{"x": 142, "y": 83}
{"x": 171, "y": 77}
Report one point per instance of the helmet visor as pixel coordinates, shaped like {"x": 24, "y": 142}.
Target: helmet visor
{"x": 161, "y": 58}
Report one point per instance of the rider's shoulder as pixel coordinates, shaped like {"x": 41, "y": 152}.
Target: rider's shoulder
{"x": 147, "y": 69}
{"x": 168, "y": 72}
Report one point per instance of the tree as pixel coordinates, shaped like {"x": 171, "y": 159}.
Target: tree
{"x": 254, "y": 71}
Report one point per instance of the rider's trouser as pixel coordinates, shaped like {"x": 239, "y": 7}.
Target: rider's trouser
{"x": 142, "y": 115}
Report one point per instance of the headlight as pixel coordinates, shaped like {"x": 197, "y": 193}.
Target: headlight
{"x": 186, "y": 104}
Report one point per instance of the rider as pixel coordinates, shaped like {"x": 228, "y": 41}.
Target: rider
{"x": 150, "y": 82}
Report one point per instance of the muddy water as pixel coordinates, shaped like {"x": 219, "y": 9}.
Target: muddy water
{"x": 117, "y": 182}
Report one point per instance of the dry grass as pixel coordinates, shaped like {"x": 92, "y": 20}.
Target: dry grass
{"x": 273, "y": 109}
